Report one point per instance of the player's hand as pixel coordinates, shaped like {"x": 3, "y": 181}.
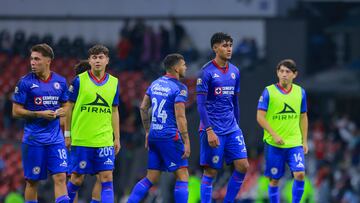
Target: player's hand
{"x": 278, "y": 139}
{"x": 68, "y": 142}
{"x": 117, "y": 146}
{"x": 146, "y": 141}
{"x": 212, "y": 139}
{"x": 306, "y": 148}
{"x": 186, "y": 151}
{"x": 47, "y": 114}
{"x": 60, "y": 112}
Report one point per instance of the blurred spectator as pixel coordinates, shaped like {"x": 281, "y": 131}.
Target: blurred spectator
{"x": 8, "y": 119}
{"x": 5, "y": 42}
{"x": 165, "y": 41}
{"x": 246, "y": 53}
{"x": 18, "y": 45}
{"x": 178, "y": 33}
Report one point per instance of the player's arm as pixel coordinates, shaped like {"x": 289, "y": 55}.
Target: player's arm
{"x": 304, "y": 122}
{"x": 261, "y": 117}
{"x": 69, "y": 110}
{"x": 18, "y": 111}
{"x": 304, "y": 130}
{"x": 182, "y": 126}
{"x": 116, "y": 128}
{"x": 236, "y": 107}
{"x": 145, "y": 117}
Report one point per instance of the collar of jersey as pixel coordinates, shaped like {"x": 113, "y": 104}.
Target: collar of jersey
{"x": 47, "y": 80}
{"x": 170, "y": 76}
{"x": 221, "y": 68}
{"x": 92, "y": 76}
{"x": 283, "y": 90}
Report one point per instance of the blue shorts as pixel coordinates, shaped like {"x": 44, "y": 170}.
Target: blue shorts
{"x": 276, "y": 158}
{"x": 91, "y": 160}
{"x": 232, "y": 147}
{"x": 39, "y": 160}
{"x": 165, "y": 155}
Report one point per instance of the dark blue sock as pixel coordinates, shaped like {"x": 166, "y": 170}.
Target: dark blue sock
{"x": 140, "y": 190}
{"x": 94, "y": 201}
{"x": 297, "y": 190}
{"x": 31, "y": 201}
{"x": 62, "y": 199}
{"x": 107, "y": 192}
{"x": 72, "y": 190}
{"x": 181, "y": 192}
{"x": 206, "y": 189}
{"x": 234, "y": 186}
{"x": 274, "y": 194}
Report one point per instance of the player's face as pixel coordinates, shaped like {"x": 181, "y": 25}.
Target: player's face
{"x": 181, "y": 68}
{"x": 98, "y": 62}
{"x": 39, "y": 63}
{"x": 223, "y": 50}
{"x": 285, "y": 75}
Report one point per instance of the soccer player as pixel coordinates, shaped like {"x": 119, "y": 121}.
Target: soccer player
{"x": 39, "y": 98}
{"x": 282, "y": 113}
{"x": 167, "y": 137}
{"x": 93, "y": 125}
{"x": 81, "y": 67}
{"x": 220, "y": 136}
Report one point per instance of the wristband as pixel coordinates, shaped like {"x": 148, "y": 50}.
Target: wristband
{"x": 67, "y": 133}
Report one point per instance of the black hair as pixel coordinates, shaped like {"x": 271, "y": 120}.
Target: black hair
{"x": 82, "y": 66}
{"x": 288, "y": 63}
{"x": 98, "y": 49}
{"x": 220, "y": 37}
{"x": 44, "y": 49}
{"x": 171, "y": 60}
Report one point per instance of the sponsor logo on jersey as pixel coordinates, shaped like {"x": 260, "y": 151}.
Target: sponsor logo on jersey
{"x": 46, "y": 100}
{"x": 34, "y": 86}
{"x": 99, "y": 105}
{"x": 71, "y": 88}
{"x": 183, "y": 93}
{"x": 229, "y": 90}
{"x": 261, "y": 99}
{"x": 216, "y": 76}
{"x": 16, "y": 90}
{"x": 38, "y": 100}
{"x": 287, "y": 113}
{"x": 199, "y": 81}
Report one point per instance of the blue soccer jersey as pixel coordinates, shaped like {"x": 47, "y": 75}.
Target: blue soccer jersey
{"x": 220, "y": 85}
{"x": 38, "y": 95}
{"x": 264, "y": 99}
{"x": 164, "y": 93}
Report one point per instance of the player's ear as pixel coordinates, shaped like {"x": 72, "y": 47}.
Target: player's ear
{"x": 295, "y": 74}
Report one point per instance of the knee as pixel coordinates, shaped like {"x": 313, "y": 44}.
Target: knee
{"x": 182, "y": 174}
{"x": 210, "y": 172}
{"x": 59, "y": 178}
{"x": 299, "y": 175}
{"x": 31, "y": 183}
{"x": 274, "y": 182}
{"x": 241, "y": 165}
{"x": 77, "y": 179}
{"x": 106, "y": 176}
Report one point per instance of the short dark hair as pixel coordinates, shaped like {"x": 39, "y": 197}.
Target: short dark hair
{"x": 44, "y": 49}
{"x": 171, "y": 60}
{"x": 288, "y": 63}
{"x": 98, "y": 49}
{"x": 220, "y": 37}
{"x": 82, "y": 66}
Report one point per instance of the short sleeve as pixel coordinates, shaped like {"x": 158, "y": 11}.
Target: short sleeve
{"x": 182, "y": 94}
{"x": 73, "y": 90}
{"x": 264, "y": 100}
{"x": 117, "y": 96}
{"x": 303, "y": 101}
{"x": 64, "y": 96}
{"x": 202, "y": 82}
{"x": 20, "y": 93}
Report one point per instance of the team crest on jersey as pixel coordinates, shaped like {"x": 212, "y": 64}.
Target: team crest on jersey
{"x": 71, "y": 88}
{"x": 56, "y": 85}
{"x": 183, "y": 93}
{"x": 36, "y": 170}
{"x": 215, "y": 159}
{"x": 233, "y": 76}
{"x": 218, "y": 90}
{"x": 38, "y": 100}
{"x": 199, "y": 81}
{"x": 82, "y": 164}
{"x": 274, "y": 171}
